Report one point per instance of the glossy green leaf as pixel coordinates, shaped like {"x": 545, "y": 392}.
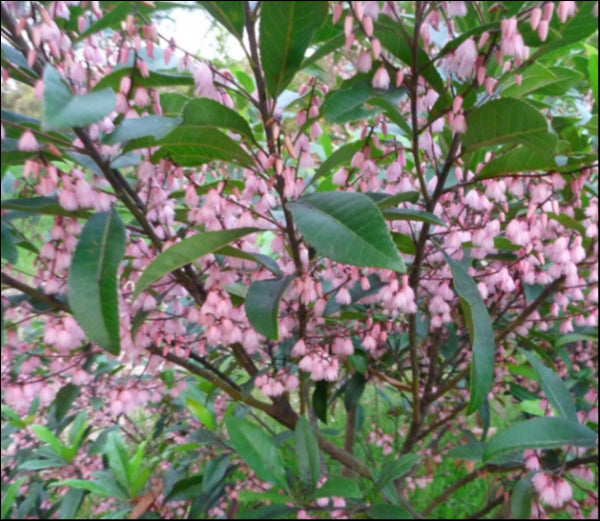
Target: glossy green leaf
{"x": 63, "y": 109}
{"x": 229, "y": 14}
{"x": 384, "y": 201}
{"x": 402, "y": 214}
{"x": 202, "y": 413}
{"x": 258, "y": 450}
{"x": 262, "y": 305}
{"x": 481, "y": 333}
{"x": 186, "y": 251}
{"x": 554, "y": 388}
{"x": 521, "y": 499}
{"x": 347, "y": 227}
{"x": 65, "y": 397}
{"x": 286, "y": 30}
{"x": 532, "y": 79}
{"x": 154, "y": 126}
{"x": 339, "y": 487}
{"x": 593, "y": 73}
{"x": 47, "y": 436}
{"x": 92, "y": 285}
{"x": 511, "y": 121}
{"x": 520, "y": 159}
{"x": 307, "y": 451}
{"x": 388, "y": 511}
{"x": 83, "y": 484}
{"x": 396, "y": 469}
{"x": 540, "y": 433}
{"x": 342, "y": 156}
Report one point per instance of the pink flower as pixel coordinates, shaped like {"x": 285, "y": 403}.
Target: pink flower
{"x": 364, "y": 62}
{"x": 462, "y": 61}
{"x": 381, "y": 80}
{"x": 27, "y": 142}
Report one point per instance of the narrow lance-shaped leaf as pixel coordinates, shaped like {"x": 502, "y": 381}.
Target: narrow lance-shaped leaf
{"x": 185, "y": 252}
{"x": 307, "y": 450}
{"x": 286, "y": 30}
{"x": 347, "y": 227}
{"x": 257, "y": 449}
{"x": 92, "y": 287}
{"x": 262, "y": 305}
{"x": 540, "y": 433}
{"x": 554, "y": 388}
{"x": 62, "y": 109}
{"x": 229, "y": 14}
{"x": 481, "y": 333}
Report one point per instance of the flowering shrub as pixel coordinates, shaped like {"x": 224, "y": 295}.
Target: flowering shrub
{"x": 297, "y": 287}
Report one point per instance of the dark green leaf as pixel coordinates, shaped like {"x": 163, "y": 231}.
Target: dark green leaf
{"x": 43, "y": 206}
{"x": 402, "y": 214}
{"x": 229, "y": 14}
{"x": 155, "y": 126}
{"x": 269, "y": 512}
{"x": 259, "y": 258}
{"x": 510, "y": 121}
{"x": 568, "y": 222}
{"x": 347, "y": 227}
{"x": 286, "y": 30}
{"x": 520, "y": 159}
{"x": 470, "y": 451}
{"x": 257, "y": 449}
{"x": 262, "y": 305}
{"x": 186, "y": 488}
{"x": 65, "y": 397}
{"x": 356, "y": 293}
{"x": 521, "y": 499}
{"x": 215, "y": 472}
{"x": 7, "y": 241}
{"x": 404, "y": 243}
{"x": 387, "y": 511}
{"x": 307, "y": 451}
{"x": 82, "y": 484}
{"x": 354, "y": 391}
{"x": 186, "y": 251}
{"x": 9, "y": 497}
{"x": 481, "y": 333}
{"x": 92, "y": 290}
{"x": 118, "y": 458}
{"x": 540, "y": 433}
{"x": 62, "y": 109}
{"x": 339, "y": 487}
{"x": 319, "y": 400}
{"x": 554, "y": 388}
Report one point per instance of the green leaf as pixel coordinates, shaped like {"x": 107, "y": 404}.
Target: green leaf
{"x": 188, "y": 146}
{"x": 276, "y": 498}
{"x": 347, "y": 227}
{"x": 341, "y": 156}
{"x": 384, "y": 201}
{"x": 387, "y": 511}
{"x": 7, "y": 239}
{"x": 593, "y": 73}
{"x": 520, "y": 159}
{"x": 202, "y": 413}
{"x": 259, "y": 258}
{"x": 71, "y": 503}
{"x": 521, "y": 499}
{"x": 568, "y": 222}
{"x": 307, "y": 451}
{"x": 403, "y": 214}
{"x": 354, "y": 391}
{"x": 262, "y": 305}
{"x": 92, "y": 287}
{"x": 481, "y": 333}
{"x": 10, "y": 496}
{"x": 62, "y": 109}
{"x": 319, "y": 400}
{"x": 186, "y": 251}
{"x": 64, "y": 399}
{"x": 214, "y": 472}
{"x": 42, "y": 206}
{"x": 554, "y": 388}
{"x": 229, "y": 14}
{"x": 339, "y": 487}
{"x": 574, "y": 337}
{"x": 118, "y": 458}
{"x": 286, "y": 30}
{"x": 155, "y": 126}
{"x": 469, "y": 451}
{"x": 540, "y": 433}
{"x": 83, "y": 484}
{"x": 258, "y": 450}
{"x": 356, "y": 293}
{"x": 510, "y": 121}
{"x": 396, "y": 469}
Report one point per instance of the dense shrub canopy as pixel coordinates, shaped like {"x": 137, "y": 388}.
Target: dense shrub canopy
{"x": 354, "y": 275}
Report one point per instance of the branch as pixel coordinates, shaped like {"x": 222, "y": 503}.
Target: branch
{"x": 53, "y": 302}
